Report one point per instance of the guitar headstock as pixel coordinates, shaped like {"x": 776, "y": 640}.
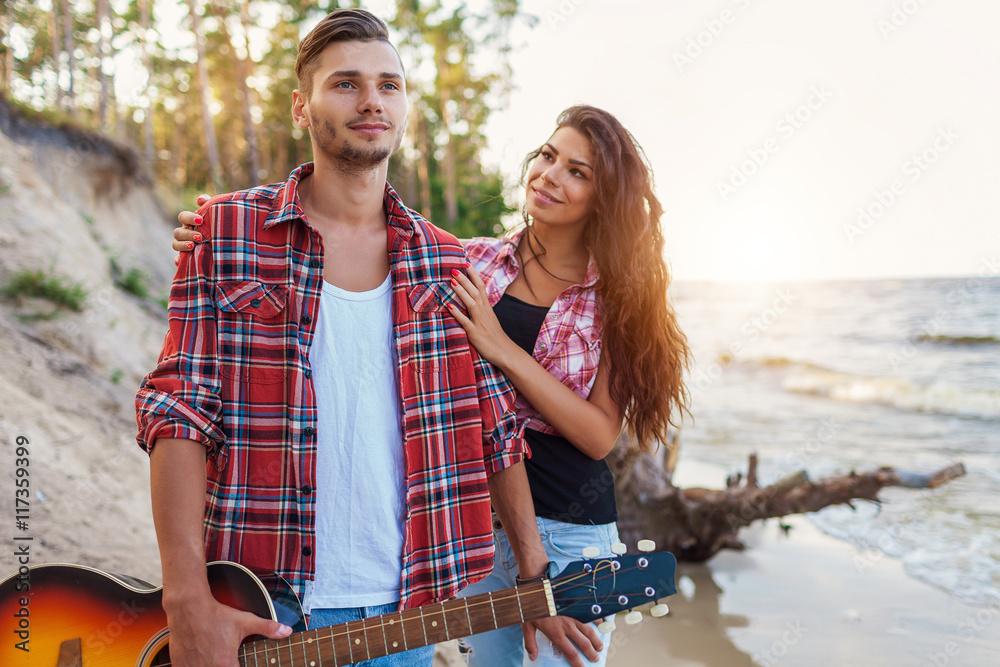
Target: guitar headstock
{"x": 591, "y": 589}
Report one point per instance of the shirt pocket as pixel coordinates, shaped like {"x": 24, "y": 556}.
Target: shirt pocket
{"x": 251, "y": 331}
{"x": 440, "y": 342}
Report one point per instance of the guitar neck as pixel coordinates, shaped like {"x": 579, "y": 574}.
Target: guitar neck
{"x": 403, "y": 630}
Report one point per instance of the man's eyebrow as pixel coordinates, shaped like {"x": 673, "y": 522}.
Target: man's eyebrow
{"x": 355, "y": 73}
{"x": 579, "y": 162}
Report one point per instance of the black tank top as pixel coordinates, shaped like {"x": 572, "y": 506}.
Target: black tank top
{"x": 566, "y": 484}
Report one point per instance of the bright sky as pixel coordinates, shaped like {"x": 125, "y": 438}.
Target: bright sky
{"x": 770, "y": 123}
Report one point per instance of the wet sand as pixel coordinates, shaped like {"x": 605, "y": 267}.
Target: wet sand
{"x": 805, "y": 599}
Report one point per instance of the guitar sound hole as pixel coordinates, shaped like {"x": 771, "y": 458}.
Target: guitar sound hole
{"x": 162, "y": 658}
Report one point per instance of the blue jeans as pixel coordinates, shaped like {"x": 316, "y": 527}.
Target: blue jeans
{"x": 564, "y": 543}
{"x": 418, "y": 657}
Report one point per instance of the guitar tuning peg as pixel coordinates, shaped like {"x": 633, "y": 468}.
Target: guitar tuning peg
{"x": 633, "y": 617}
{"x": 659, "y": 610}
{"x": 606, "y": 626}
{"x": 591, "y": 552}
{"x": 646, "y": 545}
{"x": 618, "y": 548}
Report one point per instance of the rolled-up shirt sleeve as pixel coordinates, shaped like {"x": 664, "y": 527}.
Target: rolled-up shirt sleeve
{"x": 503, "y": 437}
{"x": 180, "y": 398}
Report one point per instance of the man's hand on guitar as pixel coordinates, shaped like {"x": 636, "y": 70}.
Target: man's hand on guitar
{"x": 567, "y": 635}
{"x": 206, "y": 633}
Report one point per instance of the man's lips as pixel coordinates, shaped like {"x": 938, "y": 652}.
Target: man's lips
{"x": 369, "y": 128}
{"x": 545, "y": 197}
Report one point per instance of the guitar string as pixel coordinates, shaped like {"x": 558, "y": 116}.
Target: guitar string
{"x": 562, "y": 583}
{"x": 346, "y": 633}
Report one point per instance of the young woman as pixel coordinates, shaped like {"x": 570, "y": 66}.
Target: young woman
{"x": 573, "y": 309}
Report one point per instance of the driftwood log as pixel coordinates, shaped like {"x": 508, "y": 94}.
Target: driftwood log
{"x": 694, "y": 524}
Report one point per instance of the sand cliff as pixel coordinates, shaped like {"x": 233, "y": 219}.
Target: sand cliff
{"x": 75, "y": 206}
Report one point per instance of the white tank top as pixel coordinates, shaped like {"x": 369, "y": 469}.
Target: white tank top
{"x": 360, "y": 494}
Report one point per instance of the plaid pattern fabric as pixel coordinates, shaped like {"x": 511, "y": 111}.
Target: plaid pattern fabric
{"x": 569, "y": 343}
{"x": 234, "y": 374}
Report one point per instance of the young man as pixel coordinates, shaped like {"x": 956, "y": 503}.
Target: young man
{"x": 354, "y": 440}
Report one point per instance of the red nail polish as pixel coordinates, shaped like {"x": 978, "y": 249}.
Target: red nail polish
{"x": 455, "y": 272}
{"x": 177, "y": 261}
{"x": 198, "y": 220}
{"x": 197, "y": 237}
{"x": 189, "y": 245}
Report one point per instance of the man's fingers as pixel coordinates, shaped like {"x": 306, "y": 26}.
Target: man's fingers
{"x": 254, "y": 625}
{"x": 530, "y": 643}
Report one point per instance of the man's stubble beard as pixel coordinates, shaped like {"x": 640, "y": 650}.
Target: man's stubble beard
{"x": 346, "y": 157}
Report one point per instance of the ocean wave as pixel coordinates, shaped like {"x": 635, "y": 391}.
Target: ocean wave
{"x": 936, "y": 398}
{"x": 958, "y": 340}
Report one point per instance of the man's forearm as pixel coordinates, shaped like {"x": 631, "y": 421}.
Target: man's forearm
{"x": 177, "y": 486}
{"x": 511, "y": 499}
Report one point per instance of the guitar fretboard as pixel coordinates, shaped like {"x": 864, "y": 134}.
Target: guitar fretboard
{"x": 401, "y": 631}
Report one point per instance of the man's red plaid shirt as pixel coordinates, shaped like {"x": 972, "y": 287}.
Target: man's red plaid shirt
{"x": 234, "y": 374}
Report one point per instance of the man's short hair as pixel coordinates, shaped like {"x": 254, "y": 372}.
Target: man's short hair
{"x": 341, "y": 25}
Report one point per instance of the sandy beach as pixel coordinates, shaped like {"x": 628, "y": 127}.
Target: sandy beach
{"x": 804, "y": 598}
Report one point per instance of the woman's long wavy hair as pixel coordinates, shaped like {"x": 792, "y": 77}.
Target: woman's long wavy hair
{"x": 646, "y": 350}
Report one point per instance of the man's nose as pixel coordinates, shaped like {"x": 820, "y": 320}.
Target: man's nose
{"x": 370, "y": 101}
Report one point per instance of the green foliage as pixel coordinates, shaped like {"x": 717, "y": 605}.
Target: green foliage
{"x": 41, "y": 284}
{"x": 461, "y": 53}
{"x": 132, "y": 280}
{"x": 116, "y": 375}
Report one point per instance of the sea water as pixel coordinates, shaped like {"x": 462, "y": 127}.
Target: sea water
{"x": 830, "y": 377}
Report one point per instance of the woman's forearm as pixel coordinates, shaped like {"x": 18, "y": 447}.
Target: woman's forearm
{"x": 592, "y": 426}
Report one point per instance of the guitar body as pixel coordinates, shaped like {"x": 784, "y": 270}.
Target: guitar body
{"x": 118, "y": 620}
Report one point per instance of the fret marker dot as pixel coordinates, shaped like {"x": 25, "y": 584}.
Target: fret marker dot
{"x": 310, "y": 641}
{"x": 357, "y": 641}
{"x": 272, "y": 661}
{"x": 391, "y": 621}
{"x": 434, "y": 624}
{"x": 312, "y": 663}
{"x": 395, "y": 644}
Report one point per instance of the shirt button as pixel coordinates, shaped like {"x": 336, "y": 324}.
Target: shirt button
{"x": 309, "y": 431}
{"x": 542, "y": 347}
{"x": 306, "y": 490}
{"x": 314, "y": 263}
{"x": 308, "y": 373}
{"x": 255, "y": 303}
{"x": 306, "y": 319}
{"x": 307, "y": 550}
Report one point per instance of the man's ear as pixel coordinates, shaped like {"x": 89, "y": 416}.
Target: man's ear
{"x": 299, "y": 115}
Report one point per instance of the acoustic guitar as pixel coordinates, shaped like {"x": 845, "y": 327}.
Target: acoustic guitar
{"x": 76, "y": 616}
